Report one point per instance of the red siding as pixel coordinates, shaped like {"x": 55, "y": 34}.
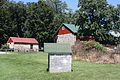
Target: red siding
{"x": 63, "y": 30}
{"x": 10, "y": 40}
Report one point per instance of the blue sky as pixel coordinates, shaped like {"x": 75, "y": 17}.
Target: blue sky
{"x": 73, "y": 3}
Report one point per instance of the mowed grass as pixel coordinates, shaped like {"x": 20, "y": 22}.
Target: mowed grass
{"x": 33, "y": 67}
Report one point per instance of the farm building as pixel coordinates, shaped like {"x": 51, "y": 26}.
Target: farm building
{"x": 67, "y": 33}
{"x": 23, "y": 44}
{"x": 59, "y": 57}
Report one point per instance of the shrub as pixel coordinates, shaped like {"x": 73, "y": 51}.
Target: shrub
{"x": 94, "y": 45}
{"x": 94, "y": 52}
{"x": 5, "y": 46}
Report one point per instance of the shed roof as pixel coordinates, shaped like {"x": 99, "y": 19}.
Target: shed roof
{"x": 22, "y": 40}
{"x": 57, "y": 48}
{"x": 72, "y": 27}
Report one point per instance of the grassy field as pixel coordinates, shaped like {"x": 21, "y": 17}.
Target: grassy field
{"x": 33, "y": 67}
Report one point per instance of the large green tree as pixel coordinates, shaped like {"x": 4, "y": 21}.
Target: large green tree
{"x": 96, "y": 19}
{"x": 12, "y": 19}
{"x": 40, "y": 15}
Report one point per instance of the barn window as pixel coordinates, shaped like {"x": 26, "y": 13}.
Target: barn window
{"x": 63, "y": 28}
{"x": 31, "y": 46}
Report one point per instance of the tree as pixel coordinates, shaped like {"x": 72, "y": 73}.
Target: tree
{"x": 2, "y": 2}
{"x": 94, "y": 20}
{"x": 5, "y": 22}
{"x": 18, "y": 18}
{"x": 57, "y": 5}
{"x": 40, "y": 15}
{"x": 12, "y": 19}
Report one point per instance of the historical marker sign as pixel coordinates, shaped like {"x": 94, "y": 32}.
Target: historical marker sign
{"x": 59, "y": 58}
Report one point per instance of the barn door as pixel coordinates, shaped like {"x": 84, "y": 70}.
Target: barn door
{"x": 31, "y": 46}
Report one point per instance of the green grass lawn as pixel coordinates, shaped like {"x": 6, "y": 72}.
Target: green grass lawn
{"x": 33, "y": 67}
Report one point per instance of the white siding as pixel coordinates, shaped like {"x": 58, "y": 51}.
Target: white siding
{"x": 11, "y": 45}
{"x": 23, "y": 47}
{"x": 66, "y": 38}
{"x": 36, "y": 48}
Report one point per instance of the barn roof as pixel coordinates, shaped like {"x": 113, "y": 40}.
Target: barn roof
{"x": 57, "y": 48}
{"x": 72, "y": 27}
{"x": 22, "y": 40}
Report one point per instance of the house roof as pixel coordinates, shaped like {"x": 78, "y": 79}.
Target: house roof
{"x": 57, "y": 48}
{"x": 72, "y": 27}
{"x": 22, "y": 40}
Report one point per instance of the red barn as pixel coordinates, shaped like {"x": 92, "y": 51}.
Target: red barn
{"x": 23, "y": 44}
{"x": 67, "y": 33}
